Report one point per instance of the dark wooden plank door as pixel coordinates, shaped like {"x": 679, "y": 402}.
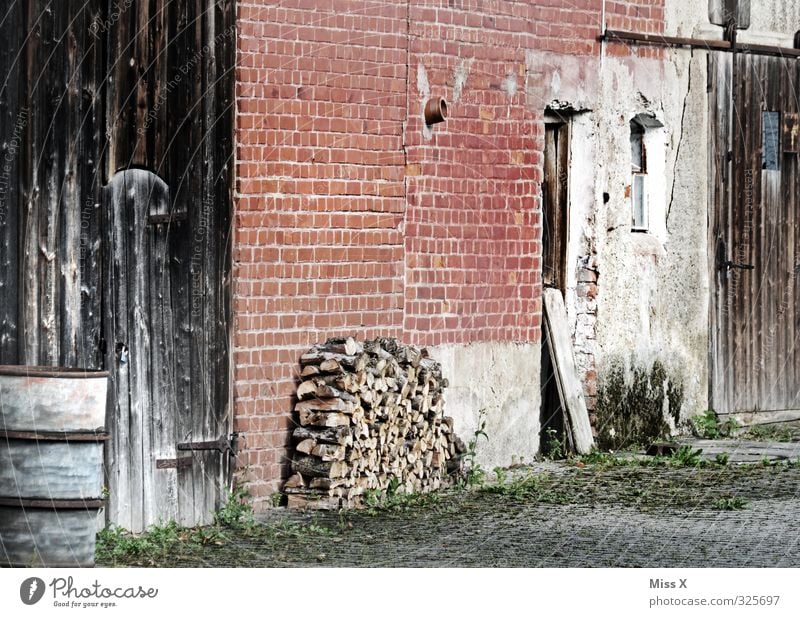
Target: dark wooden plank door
{"x": 88, "y": 90}
{"x": 755, "y": 260}
{"x": 169, "y": 111}
{"x": 555, "y": 205}
{"x": 555, "y": 210}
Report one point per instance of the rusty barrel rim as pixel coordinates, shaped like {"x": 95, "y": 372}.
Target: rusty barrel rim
{"x": 43, "y": 503}
{"x": 18, "y": 370}
{"x": 99, "y": 435}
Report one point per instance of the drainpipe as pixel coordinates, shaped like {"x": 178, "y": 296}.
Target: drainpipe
{"x": 602, "y": 37}
{"x": 603, "y": 18}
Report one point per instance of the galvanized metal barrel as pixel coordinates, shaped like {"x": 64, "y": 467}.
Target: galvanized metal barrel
{"x": 51, "y": 465}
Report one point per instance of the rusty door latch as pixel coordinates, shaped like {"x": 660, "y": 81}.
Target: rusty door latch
{"x": 728, "y": 265}
{"x": 223, "y": 445}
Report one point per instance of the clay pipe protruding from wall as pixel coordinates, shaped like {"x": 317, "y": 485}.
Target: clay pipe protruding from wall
{"x": 435, "y": 110}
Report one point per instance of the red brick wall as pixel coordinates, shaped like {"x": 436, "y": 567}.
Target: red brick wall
{"x": 349, "y": 218}
{"x": 646, "y": 16}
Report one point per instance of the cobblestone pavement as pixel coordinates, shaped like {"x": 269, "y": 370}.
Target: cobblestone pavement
{"x": 560, "y": 516}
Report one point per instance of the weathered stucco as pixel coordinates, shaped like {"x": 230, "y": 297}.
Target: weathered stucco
{"x": 652, "y": 288}
{"x": 653, "y": 292}
{"x": 500, "y": 383}
{"x": 772, "y": 22}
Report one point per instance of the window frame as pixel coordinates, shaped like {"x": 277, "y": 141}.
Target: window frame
{"x": 637, "y": 134}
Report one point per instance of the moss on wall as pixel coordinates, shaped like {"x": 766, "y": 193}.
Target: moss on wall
{"x": 633, "y": 412}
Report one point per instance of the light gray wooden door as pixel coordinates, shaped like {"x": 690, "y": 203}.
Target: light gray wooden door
{"x": 755, "y": 260}
{"x": 167, "y": 457}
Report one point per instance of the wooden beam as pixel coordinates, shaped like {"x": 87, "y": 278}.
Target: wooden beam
{"x": 569, "y": 386}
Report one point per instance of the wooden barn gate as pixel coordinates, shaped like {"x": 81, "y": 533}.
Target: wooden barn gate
{"x": 116, "y": 126}
{"x": 755, "y": 260}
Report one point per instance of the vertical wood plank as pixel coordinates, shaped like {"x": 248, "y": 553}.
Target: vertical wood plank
{"x": 182, "y": 164}
{"x": 210, "y": 424}
{"x": 29, "y": 316}
{"x": 223, "y": 80}
{"x": 70, "y": 195}
{"x": 90, "y": 157}
{"x": 164, "y": 399}
{"x": 124, "y": 506}
{"x": 14, "y": 119}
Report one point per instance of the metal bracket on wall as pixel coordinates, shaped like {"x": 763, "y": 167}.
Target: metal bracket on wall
{"x": 622, "y": 36}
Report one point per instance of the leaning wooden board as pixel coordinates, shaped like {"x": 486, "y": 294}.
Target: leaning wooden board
{"x": 569, "y": 386}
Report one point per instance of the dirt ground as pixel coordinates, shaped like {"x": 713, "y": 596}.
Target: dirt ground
{"x": 556, "y": 515}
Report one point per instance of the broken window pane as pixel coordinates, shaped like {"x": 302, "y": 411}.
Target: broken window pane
{"x": 637, "y": 146}
{"x": 770, "y": 146}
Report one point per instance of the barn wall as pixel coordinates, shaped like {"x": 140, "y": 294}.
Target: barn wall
{"x": 354, "y": 218}
{"x": 88, "y": 89}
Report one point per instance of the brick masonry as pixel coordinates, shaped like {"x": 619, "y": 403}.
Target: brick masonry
{"x": 353, "y": 217}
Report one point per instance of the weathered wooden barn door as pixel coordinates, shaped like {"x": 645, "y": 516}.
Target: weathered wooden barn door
{"x": 169, "y": 112}
{"x": 755, "y": 261}
{"x": 116, "y": 141}
{"x": 144, "y": 314}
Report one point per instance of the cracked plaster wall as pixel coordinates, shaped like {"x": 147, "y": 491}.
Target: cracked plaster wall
{"x": 654, "y": 288}
{"x": 499, "y": 383}
{"x": 653, "y": 291}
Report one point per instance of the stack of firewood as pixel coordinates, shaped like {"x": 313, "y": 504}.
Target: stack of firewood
{"x": 370, "y": 418}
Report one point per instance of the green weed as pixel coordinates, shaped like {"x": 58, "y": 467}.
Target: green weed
{"x": 722, "y": 459}
{"x": 772, "y": 433}
{"x": 729, "y": 503}
{"x": 159, "y": 542}
{"x": 377, "y": 501}
{"x": 474, "y": 475}
{"x": 529, "y": 488}
{"x": 708, "y": 426}
{"x": 686, "y": 456}
{"x": 237, "y": 511}
{"x": 554, "y": 447}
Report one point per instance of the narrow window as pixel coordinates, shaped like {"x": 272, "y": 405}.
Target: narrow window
{"x": 770, "y": 146}
{"x": 638, "y": 178}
